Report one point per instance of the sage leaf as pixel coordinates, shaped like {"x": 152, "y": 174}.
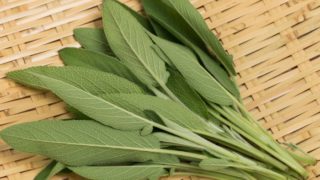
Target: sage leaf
{"x": 79, "y": 143}
{"x": 94, "y": 60}
{"x": 171, "y": 20}
{"x": 216, "y": 164}
{"x": 50, "y": 170}
{"x": 176, "y": 141}
{"x": 132, "y": 45}
{"x": 196, "y": 76}
{"x": 120, "y": 172}
{"x": 143, "y": 21}
{"x": 177, "y": 84}
{"x": 167, "y": 108}
{"x": 95, "y": 82}
{"x": 196, "y": 22}
{"x": 162, "y": 32}
{"x": 93, "y": 106}
{"x": 93, "y": 39}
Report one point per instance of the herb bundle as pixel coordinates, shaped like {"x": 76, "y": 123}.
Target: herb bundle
{"x": 151, "y": 96}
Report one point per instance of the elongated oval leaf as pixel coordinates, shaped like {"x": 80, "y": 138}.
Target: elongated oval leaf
{"x": 167, "y": 108}
{"x": 162, "y": 32}
{"x": 132, "y": 45}
{"x": 196, "y": 76}
{"x": 95, "y": 82}
{"x": 50, "y": 170}
{"x": 93, "y": 39}
{"x": 81, "y": 142}
{"x": 120, "y": 172}
{"x": 176, "y": 141}
{"x": 176, "y": 83}
{"x": 94, "y": 60}
{"x": 215, "y": 164}
{"x": 196, "y": 22}
{"x": 175, "y": 24}
{"x": 93, "y": 106}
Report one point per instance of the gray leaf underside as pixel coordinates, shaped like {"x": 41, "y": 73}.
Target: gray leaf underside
{"x": 81, "y": 142}
{"x": 95, "y": 82}
{"x": 99, "y": 109}
{"x": 171, "y": 110}
{"x": 120, "y": 172}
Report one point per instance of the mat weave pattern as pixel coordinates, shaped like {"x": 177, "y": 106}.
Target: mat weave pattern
{"x": 275, "y": 45}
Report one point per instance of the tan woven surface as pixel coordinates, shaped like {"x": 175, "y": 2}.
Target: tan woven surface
{"x": 275, "y": 44}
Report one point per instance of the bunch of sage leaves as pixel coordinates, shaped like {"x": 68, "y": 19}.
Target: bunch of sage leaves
{"x": 151, "y": 96}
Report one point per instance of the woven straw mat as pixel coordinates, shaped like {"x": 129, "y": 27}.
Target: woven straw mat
{"x": 275, "y": 45}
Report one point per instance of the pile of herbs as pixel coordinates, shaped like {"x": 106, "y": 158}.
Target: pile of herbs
{"x": 151, "y": 96}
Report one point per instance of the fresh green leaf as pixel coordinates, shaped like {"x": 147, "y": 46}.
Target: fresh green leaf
{"x": 132, "y": 45}
{"x": 196, "y": 76}
{"x": 176, "y": 141}
{"x": 161, "y": 54}
{"x": 95, "y": 82}
{"x": 140, "y": 18}
{"x": 167, "y": 108}
{"x": 93, "y": 39}
{"x": 169, "y": 19}
{"x": 191, "y": 16}
{"x": 175, "y": 24}
{"x": 219, "y": 74}
{"x": 79, "y": 143}
{"x": 216, "y": 164}
{"x": 76, "y": 114}
{"x": 97, "y": 61}
{"x": 45, "y": 172}
{"x": 95, "y": 107}
{"x": 119, "y": 172}
{"x": 162, "y": 32}
{"x": 176, "y": 83}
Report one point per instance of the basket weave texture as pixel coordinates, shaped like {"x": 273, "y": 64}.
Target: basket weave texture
{"x": 275, "y": 45}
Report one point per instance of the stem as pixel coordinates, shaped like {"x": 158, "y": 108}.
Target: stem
{"x": 249, "y": 151}
{"x": 291, "y": 162}
{"x": 192, "y": 168}
{"x": 259, "y": 143}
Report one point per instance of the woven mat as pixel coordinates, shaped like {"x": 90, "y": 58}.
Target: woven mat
{"x": 275, "y": 45}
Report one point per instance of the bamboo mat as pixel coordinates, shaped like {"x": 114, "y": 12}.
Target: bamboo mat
{"x": 275, "y": 45}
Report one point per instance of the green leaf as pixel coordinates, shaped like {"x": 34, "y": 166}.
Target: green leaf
{"x": 140, "y": 18}
{"x": 93, "y": 39}
{"x": 132, "y": 45}
{"x": 191, "y": 16}
{"x": 167, "y": 108}
{"x": 175, "y": 24}
{"x": 120, "y": 172}
{"x": 216, "y": 164}
{"x": 94, "y": 60}
{"x": 219, "y": 74}
{"x": 176, "y": 141}
{"x": 176, "y": 83}
{"x": 196, "y": 76}
{"x": 93, "y": 106}
{"x": 76, "y": 114}
{"x": 162, "y": 32}
{"x": 95, "y": 82}
{"x": 49, "y": 171}
{"x": 79, "y": 143}
{"x": 169, "y": 19}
